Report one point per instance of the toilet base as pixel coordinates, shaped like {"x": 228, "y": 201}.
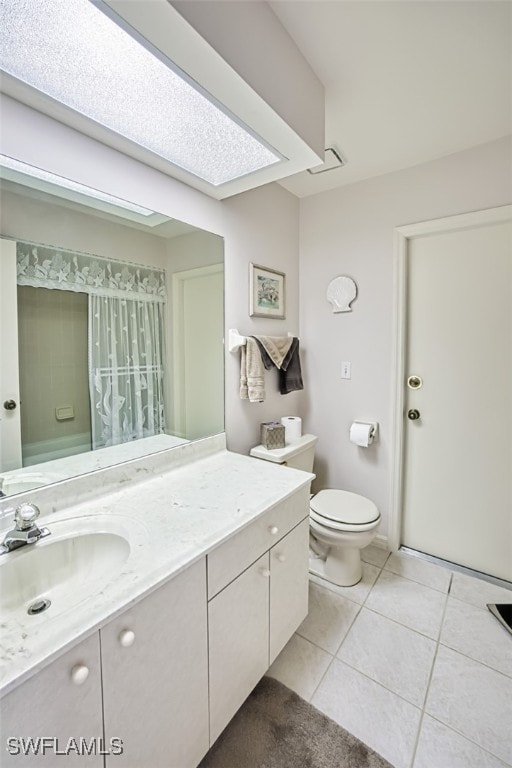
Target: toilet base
{"x": 341, "y": 566}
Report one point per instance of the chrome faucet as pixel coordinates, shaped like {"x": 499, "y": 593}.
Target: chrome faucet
{"x": 25, "y": 530}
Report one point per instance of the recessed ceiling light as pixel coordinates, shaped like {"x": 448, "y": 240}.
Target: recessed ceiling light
{"x": 332, "y": 160}
{"x": 22, "y": 173}
{"x": 75, "y": 53}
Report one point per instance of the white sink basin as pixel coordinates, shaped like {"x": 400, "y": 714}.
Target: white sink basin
{"x": 78, "y": 559}
{"x": 23, "y": 480}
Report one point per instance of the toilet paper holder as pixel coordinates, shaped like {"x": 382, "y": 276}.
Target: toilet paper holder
{"x": 371, "y": 426}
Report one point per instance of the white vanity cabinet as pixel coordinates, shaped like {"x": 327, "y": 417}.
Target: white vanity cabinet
{"x": 289, "y": 587}
{"x": 149, "y": 691}
{"x": 254, "y": 614}
{"x": 155, "y": 676}
{"x": 164, "y": 675}
{"x": 61, "y": 702}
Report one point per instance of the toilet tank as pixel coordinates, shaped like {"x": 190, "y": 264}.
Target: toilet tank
{"x": 298, "y": 455}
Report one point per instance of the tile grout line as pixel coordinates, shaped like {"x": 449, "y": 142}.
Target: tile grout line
{"x": 427, "y": 689}
{"x": 334, "y": 658}
{"x": 438, "y": 643}
{"x": 476, "y": 661}
{"x": 471, "y": 741}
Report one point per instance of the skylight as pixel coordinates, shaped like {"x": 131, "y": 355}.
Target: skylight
{"x": 73, "y": 52}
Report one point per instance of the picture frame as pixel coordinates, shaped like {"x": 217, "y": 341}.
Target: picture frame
{"x": 267, "y": 292}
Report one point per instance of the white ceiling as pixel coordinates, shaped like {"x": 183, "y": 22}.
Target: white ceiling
{"x": 405, "y": 82}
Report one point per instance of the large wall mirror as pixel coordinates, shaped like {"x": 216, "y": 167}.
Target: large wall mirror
{"x": 111, "y": 334}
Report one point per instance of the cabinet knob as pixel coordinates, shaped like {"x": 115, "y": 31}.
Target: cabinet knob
{"x": 127, "y": 638}
{"x": 79, "y": 674}
{"x": 273, "y": 529}
{"x": 265, "y": 572}
{"x": 281, "y": 557}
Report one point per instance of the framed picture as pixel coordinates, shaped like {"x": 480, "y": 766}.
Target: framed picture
{"x": 267, "y": 292}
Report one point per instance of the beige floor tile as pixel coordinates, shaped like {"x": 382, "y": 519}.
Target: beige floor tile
{"x": 300, "y": 666}
{"x": 440, "y": 747}
{"x": 434, "y": 576}
{"x": 359, "y": 592}
{"x": 474, "y": 700}
{"x": 476, "y": 633}
{"x": 378, "y": 717}
{"x": 374, "y": 555}
{"x": 477, "y": 591}
{"x": 398, "y": 658}
{"x": 329, "y": 618}
{"x": 409, "y": 603}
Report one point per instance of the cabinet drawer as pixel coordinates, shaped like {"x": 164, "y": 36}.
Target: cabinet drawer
{"x": 231, "y": 558}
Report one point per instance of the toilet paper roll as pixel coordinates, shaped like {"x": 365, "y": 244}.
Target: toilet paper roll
{"x": 292, "y": 429}
{"x": 361, "y": 433}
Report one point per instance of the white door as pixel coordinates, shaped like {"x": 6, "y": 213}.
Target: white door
{"x": 198, "y": 366}
{"x": 10, "y": 422}
{"x": 457, "y": 479}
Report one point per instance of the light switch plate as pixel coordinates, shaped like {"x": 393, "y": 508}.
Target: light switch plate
{"x": 346, "y": 370}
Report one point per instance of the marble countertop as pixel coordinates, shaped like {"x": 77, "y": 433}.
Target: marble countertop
{"x": 172, "y": 518}
{"x": 36, "y": 475}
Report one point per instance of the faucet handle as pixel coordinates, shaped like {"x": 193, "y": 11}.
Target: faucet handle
{"x": 25, "y": 516}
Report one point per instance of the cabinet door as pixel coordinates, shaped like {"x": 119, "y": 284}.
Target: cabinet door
{"x": 61, "y": 704}
{"x": 155, "y": 676}
{"x": 289, "y": 564}
{"x": 238, "y": 632}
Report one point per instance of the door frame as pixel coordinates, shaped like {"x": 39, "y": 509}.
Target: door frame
{"x": 402, "y": 236}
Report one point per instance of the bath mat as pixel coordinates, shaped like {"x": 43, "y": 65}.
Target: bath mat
{"x": 275, "y": 728}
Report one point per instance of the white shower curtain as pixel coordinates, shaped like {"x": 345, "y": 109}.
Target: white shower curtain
{"x": 126, "y": 369}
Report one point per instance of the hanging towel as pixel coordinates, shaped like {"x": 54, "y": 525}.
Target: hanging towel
{"x": 290, "y": 374}
{"x": 252, "y": 372}
{"x": 266, "y": 359}
{"x": 276, "y": 347}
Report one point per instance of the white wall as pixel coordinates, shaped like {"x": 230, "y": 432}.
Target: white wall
{"x": 25, "y": 218}
{"x": 261, "y": 226}
{"x": 350, "y": 231}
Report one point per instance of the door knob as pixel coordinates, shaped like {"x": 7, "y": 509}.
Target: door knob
{"x": 413, "y": 414}
{"x": 414, "y": 382}
{"x": 10, "y": 405}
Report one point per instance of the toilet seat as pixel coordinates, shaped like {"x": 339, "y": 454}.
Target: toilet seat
{"x": 343, "y": 511}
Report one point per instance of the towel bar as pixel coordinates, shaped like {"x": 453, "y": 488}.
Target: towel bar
{"x": 235, "y": 340}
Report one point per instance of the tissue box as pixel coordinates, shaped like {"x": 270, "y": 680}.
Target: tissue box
{"x": 272, "y": 435}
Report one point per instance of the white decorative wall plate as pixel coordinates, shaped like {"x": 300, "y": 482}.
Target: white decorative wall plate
{"x": 341, "y": 292}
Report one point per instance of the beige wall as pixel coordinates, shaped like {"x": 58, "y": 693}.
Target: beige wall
{"x": 350, "y": 231}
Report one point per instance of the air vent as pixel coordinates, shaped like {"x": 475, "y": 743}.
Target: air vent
{"x": 332, "y": 160}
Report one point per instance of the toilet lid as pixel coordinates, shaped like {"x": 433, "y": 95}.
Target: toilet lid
{"x": 344, "y": 507}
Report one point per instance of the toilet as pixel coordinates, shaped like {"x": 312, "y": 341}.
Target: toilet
{"x": 340, "y": 523}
